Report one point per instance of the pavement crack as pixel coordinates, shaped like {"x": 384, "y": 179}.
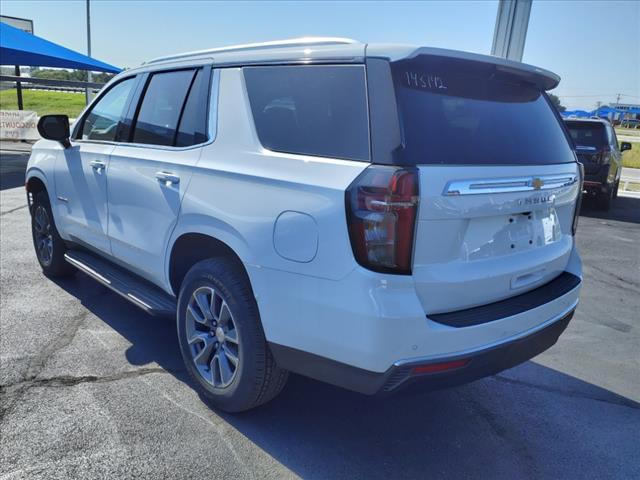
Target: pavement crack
{"x": 70, "y": 381}
{"x": 13, "y": 210}
{"x": 37, "y": 365}
{"x": 625, "y": 283}
{"x": 622, "y": 402}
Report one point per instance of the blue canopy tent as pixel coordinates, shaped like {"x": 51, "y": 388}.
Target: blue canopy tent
{"x": 21, "y": 48}
{"x": 576, "y": 113}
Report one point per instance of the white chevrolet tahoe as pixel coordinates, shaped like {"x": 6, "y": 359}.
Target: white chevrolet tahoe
{"x": 372, "y": 216}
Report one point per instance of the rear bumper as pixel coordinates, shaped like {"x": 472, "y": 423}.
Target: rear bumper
{"x": 597, "y": 181}
{"x": 369, "y": 323}
{"x": 477, "y": 363}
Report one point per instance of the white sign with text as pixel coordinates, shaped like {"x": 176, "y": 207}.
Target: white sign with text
{"x": 18, "y": 125}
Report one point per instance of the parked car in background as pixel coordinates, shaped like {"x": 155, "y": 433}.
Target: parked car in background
{"x": 597, "y": 148}
{"x": 372, "y": 216}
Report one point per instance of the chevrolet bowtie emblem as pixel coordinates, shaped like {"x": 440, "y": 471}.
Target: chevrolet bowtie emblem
{"x": 537, "y": 183}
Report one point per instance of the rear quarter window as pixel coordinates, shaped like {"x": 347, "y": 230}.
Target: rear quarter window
{"x": 318, "y": 110}
{"x": 460, "y": 112}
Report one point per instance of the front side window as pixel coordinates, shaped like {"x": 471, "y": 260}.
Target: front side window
{"x": 165, "y": 109}
{"x": 316, "y": 110}
{"x": 102, "y": 121}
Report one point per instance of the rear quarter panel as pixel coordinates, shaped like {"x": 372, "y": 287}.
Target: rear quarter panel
{"x": 239, "y": 189}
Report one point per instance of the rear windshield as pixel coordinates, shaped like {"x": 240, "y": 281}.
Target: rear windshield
{"x": 461, "y": 112}
{"x": 587, "y": 134}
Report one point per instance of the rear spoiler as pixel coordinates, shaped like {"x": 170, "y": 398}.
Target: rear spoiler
{"x": 543, "y": 79}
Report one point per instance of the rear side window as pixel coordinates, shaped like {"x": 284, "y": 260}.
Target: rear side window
{"x": 587, "y": 134}
{"x": 105, "y": 116}
{"x": 192, "y": 128}
{"x": 460, "y": 112}
{"x": 316, "y": 110}
{"x": 170, "y": 112}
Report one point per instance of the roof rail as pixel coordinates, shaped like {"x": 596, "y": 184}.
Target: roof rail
{"x": 292, "y": 42}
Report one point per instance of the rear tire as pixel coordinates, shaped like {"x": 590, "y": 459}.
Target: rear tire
{"x": 221, "y": 337}
{"x": 50, "y": 247}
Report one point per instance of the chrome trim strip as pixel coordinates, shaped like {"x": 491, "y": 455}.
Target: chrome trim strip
{"x": 138, "y": 302}
{"x": 88, "y": 270}
{"x": 289, "y": 43}
{"x": 106, "y": 282}
{"x": 509, "y": 185}
{"x": 489, "y": 346}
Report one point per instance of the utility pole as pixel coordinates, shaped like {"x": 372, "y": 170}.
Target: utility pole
{"x": 88, "y": 90}
{"x": 510, "y": 31}
{"x": 19, "y": 88}
{"x": 618, "y": 99}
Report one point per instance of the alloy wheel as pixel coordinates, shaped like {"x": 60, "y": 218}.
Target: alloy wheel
{"x": 43, "y": 235}
{"x": 212, "y": 336}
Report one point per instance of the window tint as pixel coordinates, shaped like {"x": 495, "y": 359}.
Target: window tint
{"x": 587, "y": 134}
{"x": 102, "y": 122}
{"x": 461, "y": 112}
{"x": 311, "y": 110}
{"x": 192, "y": 129}
{"x": 161, "y": 107}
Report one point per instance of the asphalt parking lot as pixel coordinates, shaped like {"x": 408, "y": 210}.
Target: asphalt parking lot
{"x": 94, "y": 388}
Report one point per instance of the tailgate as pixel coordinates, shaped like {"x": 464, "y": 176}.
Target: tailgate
{"x": 486, "y": 233}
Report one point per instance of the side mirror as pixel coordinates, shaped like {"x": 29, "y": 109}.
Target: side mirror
{"x": 625, "y": 146}
{"x": 55, "y": 127}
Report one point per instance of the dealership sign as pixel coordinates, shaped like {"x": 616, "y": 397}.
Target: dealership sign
{"x": 18, "y": 125}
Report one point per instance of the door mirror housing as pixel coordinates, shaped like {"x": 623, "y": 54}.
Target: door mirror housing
{"x": 55, "y": 127}
{"x": 625, "y": 146}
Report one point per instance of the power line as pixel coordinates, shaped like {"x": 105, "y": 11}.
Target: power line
{"x": 599, "y": 95}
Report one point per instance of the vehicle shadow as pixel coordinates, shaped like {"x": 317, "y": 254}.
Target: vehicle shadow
{"x": 531, "y": 421}
{"x": 623, "y": 209}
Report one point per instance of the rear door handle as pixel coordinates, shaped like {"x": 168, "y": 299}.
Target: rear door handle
{"x": 167, "y": 177}
{"x": 97, "y": 165}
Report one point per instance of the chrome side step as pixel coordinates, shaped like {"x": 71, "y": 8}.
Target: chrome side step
{"x": 138, "y": 291}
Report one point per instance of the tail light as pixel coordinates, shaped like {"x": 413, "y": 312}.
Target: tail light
{"x": 382, "y": 205}
{"x": 576, "y": 210}
{"x": 602, "y": 156}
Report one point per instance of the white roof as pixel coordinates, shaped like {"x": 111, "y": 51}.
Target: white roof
{"x": 343, "y": 50}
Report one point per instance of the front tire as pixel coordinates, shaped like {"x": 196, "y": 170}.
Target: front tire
{"x": 221, "y": 338}
{"x": 50, "y": 247}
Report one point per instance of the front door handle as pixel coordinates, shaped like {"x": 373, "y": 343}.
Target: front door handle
{"x": 97, "y": 165}
{"x": 167, "y": 178}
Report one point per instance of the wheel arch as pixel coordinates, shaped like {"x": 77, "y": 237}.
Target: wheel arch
{"x": 191, "y": 247}
{"x": 35, "y": 182}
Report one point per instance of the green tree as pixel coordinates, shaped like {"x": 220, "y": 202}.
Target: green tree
{"x": 75, "y": 75}
{"x": 556, "y": 102}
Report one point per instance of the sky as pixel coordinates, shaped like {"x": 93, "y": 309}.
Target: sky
{"x": 593, "y": 45}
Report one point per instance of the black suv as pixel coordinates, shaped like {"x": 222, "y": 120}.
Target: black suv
{"x": 597, "y": 148}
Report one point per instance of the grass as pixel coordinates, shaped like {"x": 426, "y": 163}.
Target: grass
{"x": 632, "y": 132}
{"x": 44, "y": 102}
{"x": 633, "y": 187}
{"x": 631, "y": 158}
